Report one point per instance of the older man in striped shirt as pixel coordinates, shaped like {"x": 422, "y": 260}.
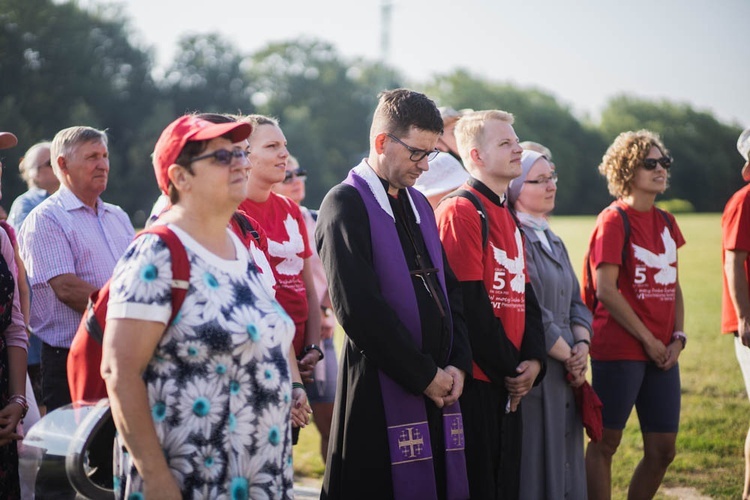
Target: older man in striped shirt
{"x": 70, "y": 244}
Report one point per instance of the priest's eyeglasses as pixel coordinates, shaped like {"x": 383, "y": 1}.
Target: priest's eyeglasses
{"x": 416, "y": 155}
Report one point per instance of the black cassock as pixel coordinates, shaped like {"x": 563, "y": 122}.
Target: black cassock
{"x": 358, "y": 464}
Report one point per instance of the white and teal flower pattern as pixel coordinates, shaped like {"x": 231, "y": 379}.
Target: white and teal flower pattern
{"x": 250, "y": 328}
{"x": 163, "y": 363}
{"x": 179, "y": 450}
{"x": 280, "y": 325}
{"x": 260, "y": 480}
{"x": 218, "y": 382}
{"x": 240, "y": 388}
{"x": 210, "y": 494}
{"x": 220, "y": 369}
{"x": 152, "y": 276}
{"x": 210, "y": 463}
{"x": 214, "y": 286}
{"x": 187, "y": 319}
{"x": 271, "y": 433}
{"x": 268, "y": 376}
{"x": 162, "y": 399}
{"x": 193, "y": 351}
{"x": 240, "y": 430}
{"x": 201, "y": 405}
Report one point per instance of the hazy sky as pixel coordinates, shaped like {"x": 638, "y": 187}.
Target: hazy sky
{"x": 583, "y": 52}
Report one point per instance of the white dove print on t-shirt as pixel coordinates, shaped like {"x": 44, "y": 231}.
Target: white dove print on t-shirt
{"x": 513, "y": 266}
{"x": 288, "y": 250}
{"x": 664, "y": 262}
{"x": 265, "y": 267}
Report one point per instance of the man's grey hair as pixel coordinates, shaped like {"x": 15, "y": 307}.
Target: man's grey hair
{"x": 66, "y": 140}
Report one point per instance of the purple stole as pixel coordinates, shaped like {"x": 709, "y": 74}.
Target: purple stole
{"x": 406, "y": 417}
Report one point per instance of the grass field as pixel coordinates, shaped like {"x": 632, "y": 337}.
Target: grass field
{"x": 715, "y": 407}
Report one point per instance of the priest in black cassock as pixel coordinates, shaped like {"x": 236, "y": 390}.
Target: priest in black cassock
{"x": 397, "y": 430}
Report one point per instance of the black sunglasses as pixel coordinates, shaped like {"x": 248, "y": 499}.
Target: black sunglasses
{"x": 223, "y": 156}
{"x": 650, "y": 163}
{"x": 291, "y": 174}
{"x": 416, "y": 155}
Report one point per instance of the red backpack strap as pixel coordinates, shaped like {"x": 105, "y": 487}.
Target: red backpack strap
{"x": 180, "y": 265}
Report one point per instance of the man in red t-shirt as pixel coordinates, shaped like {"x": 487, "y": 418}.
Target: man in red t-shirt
{"x": 735, "y": 310}
{"x": 501, "y": 310}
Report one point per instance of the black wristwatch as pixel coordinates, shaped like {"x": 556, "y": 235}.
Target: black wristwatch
{"x": 313, "y": 347}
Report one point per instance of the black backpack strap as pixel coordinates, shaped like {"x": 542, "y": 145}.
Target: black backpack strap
{"x": 624, "y": 255}
{"x": 245, "y": 226}
{"x": 626, "y": 228}
{"x": 465, "y": 193}
{"x": 666, "y": 218}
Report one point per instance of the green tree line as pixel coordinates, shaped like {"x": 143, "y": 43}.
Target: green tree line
{"x": 63, "y": 65}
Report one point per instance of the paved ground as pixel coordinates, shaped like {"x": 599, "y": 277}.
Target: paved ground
{"x": 305, "y": 487}
{"x": 306, "y": 492}
{"x": 309, "y": 490}
{"x": 681, "y": 493}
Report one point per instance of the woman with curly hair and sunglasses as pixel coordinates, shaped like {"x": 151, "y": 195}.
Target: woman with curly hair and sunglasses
{"x": 638, "y": 314}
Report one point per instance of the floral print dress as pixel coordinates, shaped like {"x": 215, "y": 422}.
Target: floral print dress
{"x": 219, "y": 383}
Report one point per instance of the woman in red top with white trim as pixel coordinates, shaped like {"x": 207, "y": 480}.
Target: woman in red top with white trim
{"x": 638, "y": 319}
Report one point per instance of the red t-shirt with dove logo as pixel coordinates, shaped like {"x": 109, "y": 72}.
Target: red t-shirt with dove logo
{"x": 501, "y": 265}
{"x": 288, "y": 247}
{"x": 735, "y": 229}
{"x": 647, "y": 280}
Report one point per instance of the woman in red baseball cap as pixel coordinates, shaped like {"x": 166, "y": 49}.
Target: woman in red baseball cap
{"x": 201, "y": 404}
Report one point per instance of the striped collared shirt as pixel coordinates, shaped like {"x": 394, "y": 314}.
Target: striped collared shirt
{"x": 65, "y": 236}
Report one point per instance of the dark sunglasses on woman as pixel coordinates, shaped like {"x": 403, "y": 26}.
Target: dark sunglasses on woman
{"x": 291, "y": 174}
{"x": 650, "y": 163}
{"x": 223, "y": 156}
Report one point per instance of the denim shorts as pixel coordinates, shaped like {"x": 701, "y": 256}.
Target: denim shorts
{"x": 655, "y": 393}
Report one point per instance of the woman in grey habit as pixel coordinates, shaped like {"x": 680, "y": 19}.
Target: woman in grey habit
{"x": 552, "y": 464}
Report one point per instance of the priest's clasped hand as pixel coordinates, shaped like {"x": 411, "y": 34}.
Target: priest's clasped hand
{"x": 458, "y": 385}
{"x": 440, "y": 387}
{"x": 446, "y": 387}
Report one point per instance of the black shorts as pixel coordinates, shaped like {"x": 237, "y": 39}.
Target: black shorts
{"x": 654, "y": 392}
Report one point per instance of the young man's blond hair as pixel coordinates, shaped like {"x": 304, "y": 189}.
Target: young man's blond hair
{"x": 469, "y": 132}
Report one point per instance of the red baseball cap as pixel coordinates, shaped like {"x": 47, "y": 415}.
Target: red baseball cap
{"x": 7, "y": 140}
{"x": 185, "y": 129}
